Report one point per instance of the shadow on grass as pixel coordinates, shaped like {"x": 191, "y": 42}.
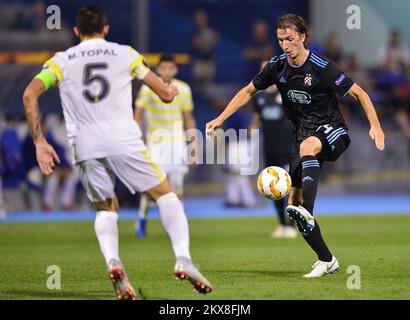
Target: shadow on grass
{"x": 269, "y": 273}
{"x": 56, "y": 294}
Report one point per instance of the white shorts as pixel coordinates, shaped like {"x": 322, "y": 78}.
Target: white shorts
{"x": 137, "y": 171}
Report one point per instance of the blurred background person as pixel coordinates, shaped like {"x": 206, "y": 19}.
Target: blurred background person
{"x": 239, "y": 190}
{"x": 260, "y": 47}
{"x": 203, "y": 43}
{"x": 333, "y": 49}
{"x": 13, "y": 169}
{"x": 278, "y": 139}
{"x": 165, "y": 132}
{"x": 65, "y": 174}
{"x": 395, "y": 52}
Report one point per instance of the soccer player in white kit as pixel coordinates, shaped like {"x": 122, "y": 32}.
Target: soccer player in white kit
{"x": 94, "y": 80}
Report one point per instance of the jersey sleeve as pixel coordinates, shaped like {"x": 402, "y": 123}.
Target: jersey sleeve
{"x": 187, "y": 103}
{"x": 137, "y": 66}
{"x": 267, "y": 76}
{"x": 337, "y": 81}
{"x": 52, "y": 73}
{"x": 143, "y": 97}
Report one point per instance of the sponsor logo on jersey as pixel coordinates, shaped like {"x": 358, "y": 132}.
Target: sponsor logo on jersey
{"x": 282, "y": 80}
{"x": 300, "y": 97}
{"x": 339, "y": 80}
{"x": 308, "y": 79}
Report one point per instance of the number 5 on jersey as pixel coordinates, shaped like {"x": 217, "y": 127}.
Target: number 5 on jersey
{"x": 89, "y": 78}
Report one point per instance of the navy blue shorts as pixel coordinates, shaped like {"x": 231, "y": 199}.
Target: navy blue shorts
{"x": 335, "y": 140}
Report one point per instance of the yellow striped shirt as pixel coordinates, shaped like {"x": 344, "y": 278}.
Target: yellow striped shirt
{"x": 163, "y": 116}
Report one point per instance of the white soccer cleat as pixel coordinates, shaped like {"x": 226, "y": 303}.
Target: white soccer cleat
{"x": 122, "y": 286}
{"x": 279, "y": 232}
{"x": 304, "y": 220}
{"x": 185, "y": 270}
{"x": 322, "y": 268}
{"x": 290, "y": 232}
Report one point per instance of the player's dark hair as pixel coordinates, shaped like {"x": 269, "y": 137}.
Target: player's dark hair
{"x": 91, "y": 20}
{"x": 166, "y": 58}
{"x": 293, "y": 21}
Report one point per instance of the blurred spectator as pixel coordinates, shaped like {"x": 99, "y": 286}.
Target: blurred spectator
{"x": 314, "y": 45}
{"x": 355, "y": 71}
{"x": 259, "y": 48}
{"x": 11, "y": 153}
{"x": 203, "y": 45}
{"x": 403, "y": 111}
{"x": 64, "y": 174}
{"x": 25, "y": 17}
{"x": 390, "y": 75}
{"x": 239, "y": 192}
{"x": 395, "y": 51}
{"x": 333, "y": 48}
{"x": 38, "y": 17}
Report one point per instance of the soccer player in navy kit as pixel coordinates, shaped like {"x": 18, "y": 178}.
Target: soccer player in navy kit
{"x": 308, "y": 85}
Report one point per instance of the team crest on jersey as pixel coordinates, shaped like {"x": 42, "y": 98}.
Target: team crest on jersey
{"x": 308, "y": 80}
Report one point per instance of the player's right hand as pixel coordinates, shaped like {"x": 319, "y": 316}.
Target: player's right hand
{"x": 211, "y": 126}
{"x": 46, "y": 157}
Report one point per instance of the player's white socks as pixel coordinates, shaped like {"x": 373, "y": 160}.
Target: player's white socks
{"x": 175, "y": 223}
{"x": 233, "y": 191}
{"x": 247, "y": 195}
{"x": 68, "y": 191}
{"x": 145, "y": 206}
{"x": 106, "y": 230}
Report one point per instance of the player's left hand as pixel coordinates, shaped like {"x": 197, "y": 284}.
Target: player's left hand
{"x": 211, "y": 126}
{"x": 377, "y": 135}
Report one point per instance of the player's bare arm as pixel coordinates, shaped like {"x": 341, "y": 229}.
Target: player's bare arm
{"x": 239, "y": 100}
{"x": 166, "y": 92}
{"x": 46, "y": 155}
{"x": 376, "y": 132}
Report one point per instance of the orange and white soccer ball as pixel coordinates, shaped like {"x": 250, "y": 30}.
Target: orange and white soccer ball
{"x": 274, "y": 183}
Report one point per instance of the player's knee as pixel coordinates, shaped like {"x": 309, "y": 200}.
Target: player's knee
{"x": 159, "y": 190}
{"x": 110, "y": 204}
{"x": 310, "y": 147}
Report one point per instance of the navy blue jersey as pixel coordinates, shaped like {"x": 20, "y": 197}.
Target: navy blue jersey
{"x": 308, "y": 91}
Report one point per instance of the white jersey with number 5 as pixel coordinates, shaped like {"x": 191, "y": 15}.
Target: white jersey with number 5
{"x": 94, "y": 80}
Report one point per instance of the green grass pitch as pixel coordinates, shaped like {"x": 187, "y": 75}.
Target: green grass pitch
{"x": 237, "y": 255}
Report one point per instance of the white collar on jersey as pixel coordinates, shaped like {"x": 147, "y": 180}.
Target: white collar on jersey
{"x": 92, "y": 40}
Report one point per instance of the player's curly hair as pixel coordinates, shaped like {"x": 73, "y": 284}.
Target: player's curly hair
{"x": 293, "y": 21}
{"x": 91, "y": 20}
